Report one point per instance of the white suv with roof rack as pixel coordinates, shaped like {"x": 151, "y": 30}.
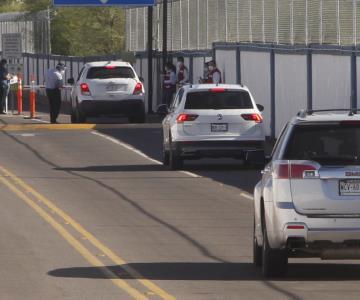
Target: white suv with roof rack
{"x": 307, "y": 203}
{"x": 215, "y": 121}
{"x": 109, "y": 88}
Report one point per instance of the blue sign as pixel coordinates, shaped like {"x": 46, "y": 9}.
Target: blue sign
{"x": 104, "y": 2}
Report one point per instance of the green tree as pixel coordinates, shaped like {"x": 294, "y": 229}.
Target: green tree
{"x": 78, "y": 30}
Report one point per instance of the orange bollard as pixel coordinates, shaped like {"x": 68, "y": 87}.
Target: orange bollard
{"x": 32, "y": 100}
{"x": 20, "y": 95}
{"x": 32, "y": 104}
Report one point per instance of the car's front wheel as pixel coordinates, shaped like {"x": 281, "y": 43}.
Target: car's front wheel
{"x": 274, "y": 261}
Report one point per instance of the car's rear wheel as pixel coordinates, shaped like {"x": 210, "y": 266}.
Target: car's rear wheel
{"x": 74, "y": 117}
{"x": 274, "y": 261}
{"x": 175, "y": 161}
{"x": 166, "y": 156}
{"x": 257, "y": 251}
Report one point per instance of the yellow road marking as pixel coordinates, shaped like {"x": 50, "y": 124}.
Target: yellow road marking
{"x": 44, "y": 126}
{"x": 84, "y": 233}
{"x": 75, "y": 243}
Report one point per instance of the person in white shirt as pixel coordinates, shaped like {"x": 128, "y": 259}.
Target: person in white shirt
{"x": 54, "y": 82}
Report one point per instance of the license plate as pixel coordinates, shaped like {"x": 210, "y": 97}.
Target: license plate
{"x": 349, "y": 187}
{"x": 216, "y": 127}
{"x": 115, "y": 88}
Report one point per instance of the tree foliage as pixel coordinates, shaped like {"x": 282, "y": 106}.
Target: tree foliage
{"x": 78, "y": 31}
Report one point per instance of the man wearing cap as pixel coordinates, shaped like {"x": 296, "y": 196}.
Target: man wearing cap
{"x": 54, "y": 81}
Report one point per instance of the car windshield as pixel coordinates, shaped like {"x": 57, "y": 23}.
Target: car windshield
{"x": 218, "y": 100}
{"x": 110, "y": 72}
{"x": 326, "y": 144}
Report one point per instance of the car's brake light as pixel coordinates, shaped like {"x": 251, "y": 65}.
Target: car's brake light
{"x": 252, "y": 117}
{"x": 217, "y": 90}
{"x": 186, "y": 118}
{"x": 110, "y": 67}
{"x": 138, "y": 88}
{"x": 295, "y": 170}
{"x": 84, "y": 87}
{"x": 295, "y": 227}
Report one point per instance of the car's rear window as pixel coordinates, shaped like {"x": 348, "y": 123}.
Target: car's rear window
{"x": 333, "y": 144}
{"x": 222, "y": 100}
{"x": 110, "y": 72}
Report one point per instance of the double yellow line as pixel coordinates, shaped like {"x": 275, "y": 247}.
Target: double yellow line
{"x": 29, "y": 195}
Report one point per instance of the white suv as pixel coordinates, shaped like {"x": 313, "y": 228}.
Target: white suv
{"x": 107, "y": 88}
{"x": 212, "y": 121}
{"x": 307, "y": 203}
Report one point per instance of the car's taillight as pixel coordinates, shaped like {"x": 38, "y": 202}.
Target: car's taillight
{"x": 138, "y": 89}
{"x": 186, "y": 118}
{"x": 84, "y": 87}
{"x": 217, "y": 90}
{"x": 252, "y": 117}
{"x": 293, "y": 170}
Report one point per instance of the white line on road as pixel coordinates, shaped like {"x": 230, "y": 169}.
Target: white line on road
{"x": 137, "y": 151}
{"x": 247, "y": 196}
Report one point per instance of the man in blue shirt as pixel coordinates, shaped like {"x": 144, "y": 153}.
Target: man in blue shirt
{"x": 54, "y": 81}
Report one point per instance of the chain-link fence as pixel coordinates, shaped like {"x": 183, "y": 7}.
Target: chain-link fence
{"x": 196, "y": 24}
{"x": 34, "y": 28}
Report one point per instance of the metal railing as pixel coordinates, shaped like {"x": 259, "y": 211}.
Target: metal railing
{"x": 197, "y": 24}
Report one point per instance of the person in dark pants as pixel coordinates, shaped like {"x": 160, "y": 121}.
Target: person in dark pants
{"x": 4, "y": 84}
{"x": 54, "y": 82}
{"x": 169, "y": 83}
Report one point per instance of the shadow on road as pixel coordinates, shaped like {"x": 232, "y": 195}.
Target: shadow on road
{"x": 227, "y": 171}
{"x": 214, "y": 271}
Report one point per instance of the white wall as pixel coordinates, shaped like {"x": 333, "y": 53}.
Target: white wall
{"x": 290, "y": 87}
{"x": 198, "y": 68}
{"x": 226, "y": 63}
{"x": 331, "y": 81}
{"x": 255, "y": 74}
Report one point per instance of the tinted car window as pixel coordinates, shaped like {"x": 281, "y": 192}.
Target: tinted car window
{"x": 110, "y": 72}
{"x": 327, "y": 144}
{"x": 224, "y": 100}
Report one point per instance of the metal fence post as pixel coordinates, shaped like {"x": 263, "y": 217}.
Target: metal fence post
{"x": 354, "y": 22}
{"x": 353, "y": 79}
{"x": 309, "y": 71}
{"x": 272, "y": 91}
{"x": 191, "y": 69}
{"x": 321, "y": 23}
{"x": 250, "y": 22}
{"x": 338, "y": 26}
{"x": 238, "y": 65}
{"x": 306, "y": 23}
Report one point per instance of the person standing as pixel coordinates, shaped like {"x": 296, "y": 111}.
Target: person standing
{"x": 54, "y": 82}
{"x": 169, "y": 83}
{"x": 214, "y": 73}
{"x": 4, "y": 84}
{"x": 182, "y": 72}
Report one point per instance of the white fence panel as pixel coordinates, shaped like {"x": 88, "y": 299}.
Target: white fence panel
{"x": 226, "y": 63}
{"x": 290, "y": 87}
{"x": 331, "y": 81}
{"x": 255, "y": 74}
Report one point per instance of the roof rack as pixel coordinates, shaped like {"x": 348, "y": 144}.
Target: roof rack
{"x": 308, "y": 112}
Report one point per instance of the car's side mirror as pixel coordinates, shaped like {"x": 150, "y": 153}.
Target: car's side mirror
{"x": 260, "y": 107}
{"x": 71, "y": 81}
{"x": 141, "y": 79}
{"x": 162, "y": 110}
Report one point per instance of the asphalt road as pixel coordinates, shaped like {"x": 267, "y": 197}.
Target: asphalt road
{"x": 91, "y": 214}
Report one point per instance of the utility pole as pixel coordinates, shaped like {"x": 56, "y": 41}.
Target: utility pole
{"x": 150, "y": 59}
{"x": 165, "y": 21}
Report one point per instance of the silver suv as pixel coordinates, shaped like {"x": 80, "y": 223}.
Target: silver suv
{"x": 307, "y": 203}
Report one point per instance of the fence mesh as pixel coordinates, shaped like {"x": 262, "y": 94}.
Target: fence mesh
{"x": 196, "y": 24}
